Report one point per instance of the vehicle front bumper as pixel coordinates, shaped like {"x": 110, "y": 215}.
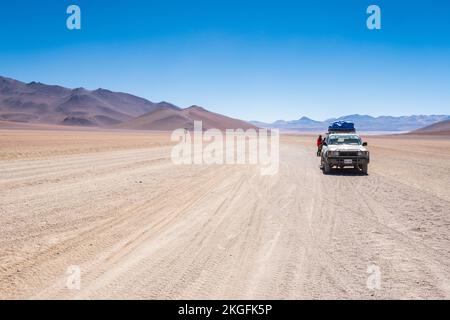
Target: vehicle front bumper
{"x": 345, "y": 161}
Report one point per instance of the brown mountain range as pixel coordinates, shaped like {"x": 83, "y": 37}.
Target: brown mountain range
{"x": 437, "y": 129}
{"x": 37, "y": 103}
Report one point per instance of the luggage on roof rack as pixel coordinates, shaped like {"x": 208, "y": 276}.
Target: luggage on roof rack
{"x": 341, "y": 126}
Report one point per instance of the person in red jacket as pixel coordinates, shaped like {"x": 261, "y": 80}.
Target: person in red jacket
{"x": 319, "y": 145}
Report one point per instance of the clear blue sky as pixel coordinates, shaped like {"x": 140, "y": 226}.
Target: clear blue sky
{"x": 256, "y": 60}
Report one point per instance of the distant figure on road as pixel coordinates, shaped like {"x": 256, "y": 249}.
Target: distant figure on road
{"x": 319, "y": 145}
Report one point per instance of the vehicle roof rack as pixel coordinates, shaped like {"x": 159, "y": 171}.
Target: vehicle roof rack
{"x": 341, "y": 131}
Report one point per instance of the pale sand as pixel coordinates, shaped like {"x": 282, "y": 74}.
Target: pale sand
{"x": 140, "y": 227}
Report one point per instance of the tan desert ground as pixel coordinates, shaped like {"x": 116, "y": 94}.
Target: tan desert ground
{"x": 138, "y": 226}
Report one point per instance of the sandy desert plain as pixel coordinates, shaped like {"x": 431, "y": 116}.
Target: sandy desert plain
{"x": 138, "y": 226}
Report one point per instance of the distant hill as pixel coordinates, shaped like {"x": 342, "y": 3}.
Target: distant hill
{"x": 362, "y": 123}
{"x": 47, "y": 104}
{"x": 40, "y": 104}
{"x": 170, "y": 119}
{"x": 440, "y": 128}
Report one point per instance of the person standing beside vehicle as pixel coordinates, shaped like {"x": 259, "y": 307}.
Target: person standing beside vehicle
{"x": 319, "y": 145}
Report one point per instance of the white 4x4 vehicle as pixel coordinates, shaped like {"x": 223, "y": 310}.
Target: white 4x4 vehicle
{"x": 344, "y": 150}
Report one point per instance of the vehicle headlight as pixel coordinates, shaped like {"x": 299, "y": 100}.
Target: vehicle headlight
{"x": 334, "y": 153}
{"x": 363, "y": 153}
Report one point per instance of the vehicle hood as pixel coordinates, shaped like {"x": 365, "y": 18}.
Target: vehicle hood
{"x": 345, "y": 147}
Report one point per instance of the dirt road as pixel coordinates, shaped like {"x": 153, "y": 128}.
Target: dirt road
{"x": 138, "y": 226}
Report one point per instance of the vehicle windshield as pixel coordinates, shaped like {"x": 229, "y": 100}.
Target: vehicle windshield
{"x": 344, "y": 139}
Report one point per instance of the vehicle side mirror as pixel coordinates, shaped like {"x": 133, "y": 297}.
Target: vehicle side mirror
{"x": 324, "y": 143}
{"x": 364, "y": 144}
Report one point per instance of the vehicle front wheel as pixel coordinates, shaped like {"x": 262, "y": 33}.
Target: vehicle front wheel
{"x": 364, "y": 168}
{"x": 326, "y": 167}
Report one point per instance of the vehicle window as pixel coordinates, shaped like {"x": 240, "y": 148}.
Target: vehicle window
{"x": 344, "y": 139}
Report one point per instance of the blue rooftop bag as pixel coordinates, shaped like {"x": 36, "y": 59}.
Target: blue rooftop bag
{"x": 342, "y": 126}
